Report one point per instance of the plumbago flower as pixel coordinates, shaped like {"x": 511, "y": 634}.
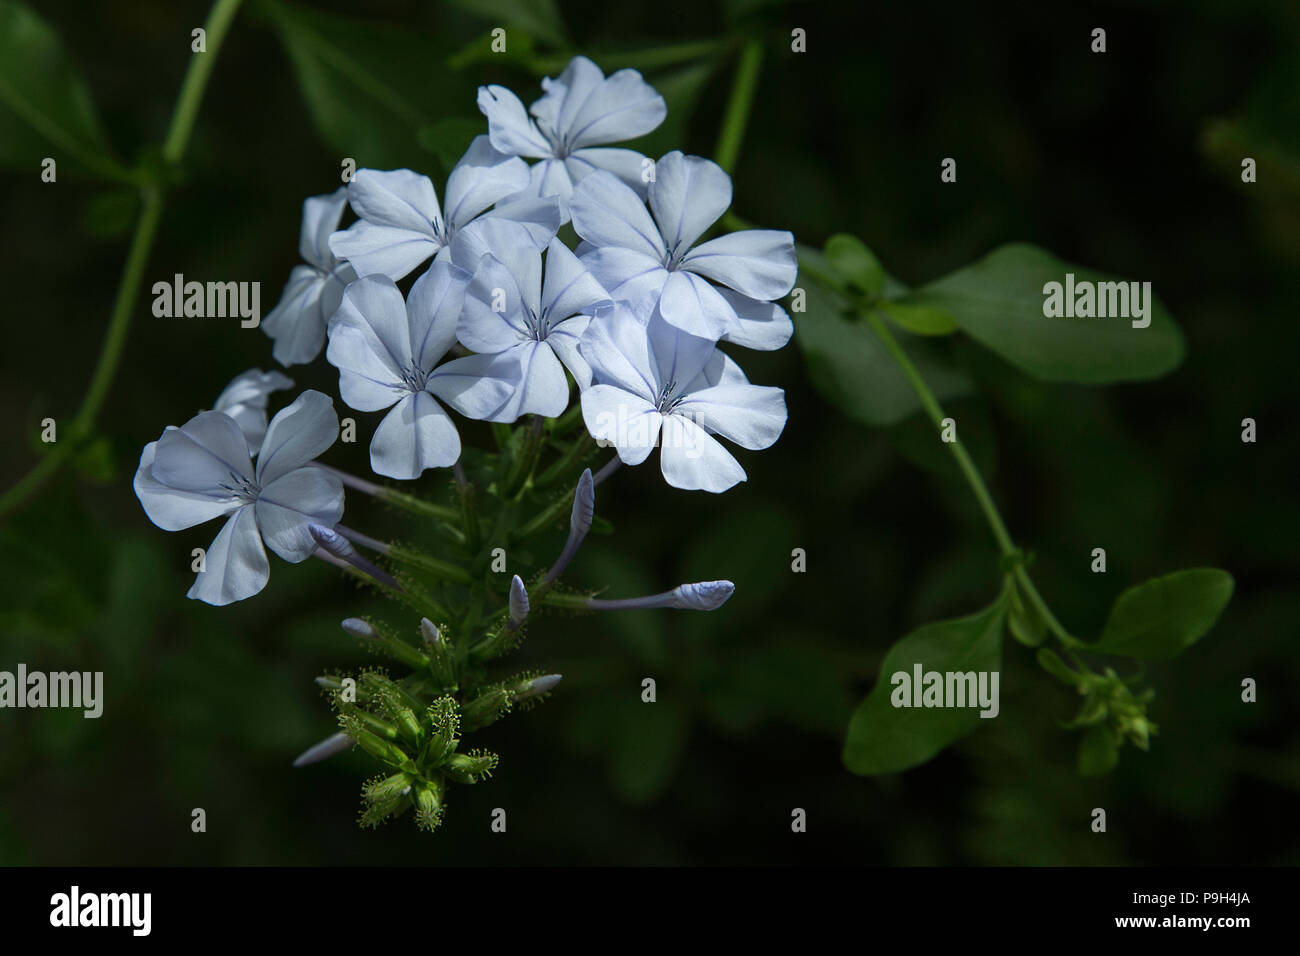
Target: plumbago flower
{"x": 581, "y": 111}
{"x": 401, "y": 223}
{"x": 297, "y": 323}
{"x": 634, "y": 316}
{"x": 385, "y": 350}
{"x": 655, "y": 384}
{"x": 649, "y": 257}
{"x": 530, "y": 325}
{"x": 245, "y": 398}
{"x": 202, "y": 471}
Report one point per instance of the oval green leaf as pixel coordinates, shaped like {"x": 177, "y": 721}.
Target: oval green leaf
{"x": 999, "y": 301}
{"x": 850, "y": 367}
{"x": 49, "y": 102}
{"x": 855, "y": 263}
{"x": 1161, "y": 618}
{"x": 883, "y": 738}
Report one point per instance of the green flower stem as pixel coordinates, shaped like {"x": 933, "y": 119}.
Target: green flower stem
{"x": 563, "y": 466}
{"x": 971, "y": 473}
{"x": 739, "y": 105}
{"x": 418, "y": 506}
{"x": 146, "y": 229}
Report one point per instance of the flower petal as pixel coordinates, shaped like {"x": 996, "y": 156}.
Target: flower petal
{"x": 296, "y": 435}
{"x": 629, "y": 275}
{"x": 320, "y": 219}
{"x": 694, "y": 306}
{"x": 482, "y": 177}
{"x": 478, "y": 386}
{"x": 370, "y": 343}
{"x": 627, "y": 421}
{"x": 631, "y": 167}
{"x": 399, "y": 198}
{"x": 617, "y": 347}
{"x": 433, "y": 309}
{"x": 759, "y": 263}
{"x": 172, "y": 509}
{"x": 382, "y": 250}
{"x": 692, "y": 459}
{"x": 245, "y": 400}
{"x": 543, "y": 388}
{"x": 688, "y": 195}
{"x": 417, "y": 434}
{"x": 678, "y": 356}
{"x": 570, "y": 288}
{"x": 752, "y": 416}
{"x": 204, "y": 454}
{"x": 288, "y": 505}
{"x": 493, "y": 317}
{"x": 565, "y": 339}
{"x": 235, "y": 565}
{"x": 758, "y": 325}
{"x": 623, "y": 106}
{"x": 509, "y": 125}
{"x": 607, "y": 212}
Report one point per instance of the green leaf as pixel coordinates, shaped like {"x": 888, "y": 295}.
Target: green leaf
{"x": 1161, "y": 618}
{"x": 370, "y": 87}
{"x": 999, "y": 302}
{"x": 850, "y": 367}
{"x": 919, "y": 319}
{"x": 538, "y": 18}
{"x": 1098, "y": 752}
{"x": 40, "y": 86}
{"x": 1024, "y": 621}
{"x": 883, "y": 738}
{"x": 855, "y": 263}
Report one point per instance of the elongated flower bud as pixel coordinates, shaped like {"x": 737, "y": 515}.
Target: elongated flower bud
{"x": 429, "y": 631}
{"x": 337, "y": 546}
{"x": 518, "y": 602}
{"x": 538, "y": 686}
{"x": 359, "y": 628}
{"x": 328, "y": 747}
{"x": 584, "y": 509}
{"x": 699, "y": 596}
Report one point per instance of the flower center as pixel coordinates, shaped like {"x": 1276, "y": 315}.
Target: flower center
{"x": 668, "y": 400}
{"x": 414, "y": 378}
{"x": 242, "y": 487}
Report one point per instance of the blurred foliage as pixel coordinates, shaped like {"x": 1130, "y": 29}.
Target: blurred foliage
{"x": 1129, "y": 161}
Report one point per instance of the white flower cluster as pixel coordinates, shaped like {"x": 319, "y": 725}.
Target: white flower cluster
{"x": 634, "y": 312}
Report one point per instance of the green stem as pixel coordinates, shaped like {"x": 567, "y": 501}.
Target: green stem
{"x": 935, "y": 411}
{"x": 146, "y": 229}
{"x": 971, "y": 473}
{"x": 739, "y": 105}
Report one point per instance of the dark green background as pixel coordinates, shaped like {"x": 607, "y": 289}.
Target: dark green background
{"x": 1127, "y": 161}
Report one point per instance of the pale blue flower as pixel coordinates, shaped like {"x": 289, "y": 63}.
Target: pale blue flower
{"x": 650, "y": 256}
{"x": 385, "y": 350}
{"x": 581, "y": 111}
{"x": 654, "y": 384}
{"x": 401, "y": 223}
{"x": 527, "y": 328}
{"x": 202, "y": 471}
{"x": 245, "y": 398}
{"x": 297, "y": 323}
